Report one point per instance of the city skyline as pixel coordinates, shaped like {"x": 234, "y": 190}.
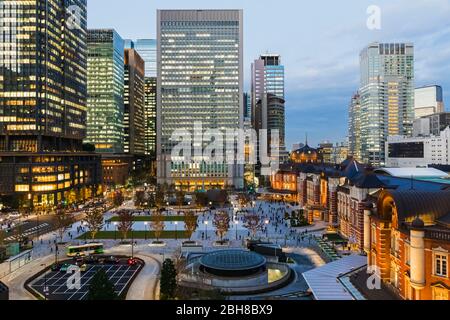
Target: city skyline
{"x": 310, "y": 62}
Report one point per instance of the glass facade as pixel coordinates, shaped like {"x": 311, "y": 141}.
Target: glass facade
{"x": 147, "y": 50}
{"x": 150, "y": 117}
{"x": 43, "y": 96}
{"x": 387, "y": 97}
{"x": 134, "y": 104}
{"x": 42, "y": 76}
{"x": 200, "y": 80}
{"x": 105, "y": 91}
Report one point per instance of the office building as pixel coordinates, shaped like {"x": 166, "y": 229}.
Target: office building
{"x": 354, "y": 127}
{"x": 267, "y": 77}
{"x": 428, "y": 100}
{"x": 150, "y": 117}
{"x": 200, "y": 79}
{"x": 147, "y": 50}
{"x": 386, "y": 98}
{"x": 134, "y": 104}
{"x": 105, "y": 127}
{"x": 43, "y": 106}
{"x": 326, "y": 151}
{"x": 419, "y": 151}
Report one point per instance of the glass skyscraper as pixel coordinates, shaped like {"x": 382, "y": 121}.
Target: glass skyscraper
{"x": 105, "y": 91}
{"x": 43, "y": 104}
{"x": 200, "y": 79}
{"x": 386, "y": 97}
{"x": 134, "y": 104}
{"x": 146, "y": 48}
{"x": 150, "y": 116}
{"x": 267, "y": 77}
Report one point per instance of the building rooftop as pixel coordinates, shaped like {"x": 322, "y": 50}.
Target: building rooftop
{"x": 235, "y": 260}
{"x": 413, "y": 172}
{"x": 324, "y": 282}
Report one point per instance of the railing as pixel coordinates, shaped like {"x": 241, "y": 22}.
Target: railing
{"x": 437, "y": 234}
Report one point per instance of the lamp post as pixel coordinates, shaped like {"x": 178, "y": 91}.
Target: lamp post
{"x": 145, "y": 225}
{"x": 266, "y": 222}
{"x": 235, "y": 227}
{"x": 176, "y": 230}
{"x": 206, "y": 230}
{"x": 115, "y": 230}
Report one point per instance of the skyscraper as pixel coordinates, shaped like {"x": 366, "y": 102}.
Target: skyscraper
{"x": 200, "y": 79}
{"x": 146, "y": 48}
{"x": 105, "y": 91}
{"x": 267, "y": 77}
{"x": 428, "y": 100}
{"x": 386, "y": 96}
{"x": 354, "y": 127}
{"x": 134, "y": 104}
{"x": 43, "y": 104}
{"x": 150, "y": 116}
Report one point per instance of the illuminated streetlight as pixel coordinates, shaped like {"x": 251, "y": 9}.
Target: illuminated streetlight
{"x": 235, "y": 226}
{"x": 145, "y": 224}
{"x": 115, "y": 230}
{"x": 176, "y": 230}
{"x": 206, "y": 230}
{"x": 267, "y": 229}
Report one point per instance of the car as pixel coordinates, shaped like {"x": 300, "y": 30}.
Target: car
{"x": 112, "y": 260}
{"x": 56, "y": 267}
{"x": 64, "y": 267}
{"x": 84, "y": 268}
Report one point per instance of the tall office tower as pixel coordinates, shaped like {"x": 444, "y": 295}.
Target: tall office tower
{"x": 247, "y": 105}
{"x": 428, "y": 100}
{"x": 43, "y": 104}
{"x": 147, "y": 50}
{"x": 105, "y": 90}
{"x": 269, "y": 115}
{"x": 354, "y": 127}
{"x": 387, "y": 97}
{"x": 150, "y": 116}
{"x": 267, "y": 77}
{"x": 134, "y": 103}
{"x": 200, "y": 79}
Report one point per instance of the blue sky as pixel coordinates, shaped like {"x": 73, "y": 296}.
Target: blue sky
{"x": 319, "y": 42}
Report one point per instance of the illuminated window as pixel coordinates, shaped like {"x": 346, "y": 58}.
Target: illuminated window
{"x": 22, "y": 188}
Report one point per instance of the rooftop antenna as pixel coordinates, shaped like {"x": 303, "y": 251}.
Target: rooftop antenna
{"x": 306, "y": 139}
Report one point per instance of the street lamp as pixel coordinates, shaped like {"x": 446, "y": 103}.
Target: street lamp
{"x": 176, "y": 230}
{"x": 145, "y": 224}
{"x": 235, "y": 227}
{"x": 115, "y": 230}
{"x": 206, "y": 230}
{"x": 267, "y": 228}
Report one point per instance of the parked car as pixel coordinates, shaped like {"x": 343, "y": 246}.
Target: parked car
{"x": 65, "y": 267}
{"x": 84, "y": 268}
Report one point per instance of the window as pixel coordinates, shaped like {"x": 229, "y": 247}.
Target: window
{"x": 440, "y": 263}
{"x": 440, "y": 293}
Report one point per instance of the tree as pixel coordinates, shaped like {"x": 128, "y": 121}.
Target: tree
{"x": 168, "y": 281}
{"x": 94, "y": 220}
{"x": 101, "y": 288}
{"x": 118, "y": 198}
{"x": 222, "y": 223}
{"x": 190, "y": 223}
{"x": 160, "y": 196}
{"x": 201, "y": 199}
{"x": 140, "y": 198}
{"x": 180, "y": 197}
{"x": 243, "y": 199}
{"x": 157, "y": 223}
{"x": 63, "y": 221}
{"x": 125, "y": 222}
{"x": 253, "y": 223}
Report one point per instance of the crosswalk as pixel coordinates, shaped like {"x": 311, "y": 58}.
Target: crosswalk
{"x": 41, "y": 228}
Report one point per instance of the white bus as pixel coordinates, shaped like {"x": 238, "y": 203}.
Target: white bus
{"x": 85, "y": 249}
